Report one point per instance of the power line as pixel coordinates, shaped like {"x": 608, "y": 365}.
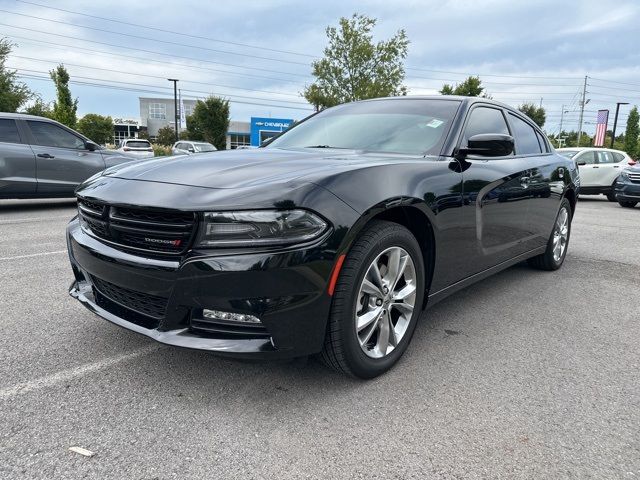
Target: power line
{"x": 169, "y": 88}
{"x": 162, "y": 77}
{"x": 173, "y": 32}
{"x": 154, "y": 52}
{"x": 121, "y": 55}
{"x": 115, "y": 87}
{"x": 140, "y": 37}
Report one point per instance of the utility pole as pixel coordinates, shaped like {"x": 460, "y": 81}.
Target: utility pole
{"x": 540, "y": 102}
{"x": 582, "y": 104}
{"x": 615, "y": 121}
{"x": 175, "y": 104}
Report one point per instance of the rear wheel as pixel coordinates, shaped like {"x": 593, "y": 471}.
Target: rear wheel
{"x": 556, "y": 251}
{"x": 627, "y": 204}
{"x": 611, "y": 196}
{"x": 376, "y": 302}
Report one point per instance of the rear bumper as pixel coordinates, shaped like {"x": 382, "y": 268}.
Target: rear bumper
{"x": 627, "y": 192}
{"x": 286, "y": 290}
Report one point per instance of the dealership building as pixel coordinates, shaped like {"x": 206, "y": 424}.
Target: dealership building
{"x": 156, "y": 113}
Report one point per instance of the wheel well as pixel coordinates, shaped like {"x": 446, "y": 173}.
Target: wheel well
{"x": 420, "y": 226}
{"x": 571, "y": 196}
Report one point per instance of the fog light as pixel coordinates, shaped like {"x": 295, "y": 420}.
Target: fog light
{"x": 229, "y": 316}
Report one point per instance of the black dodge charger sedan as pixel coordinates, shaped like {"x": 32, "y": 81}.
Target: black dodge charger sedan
{"x": 329, "y": 240}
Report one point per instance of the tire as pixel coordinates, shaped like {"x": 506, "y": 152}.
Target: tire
{"x": 611, "y": 197}
{"x": 627, "y": 204}
{"x": 364, "y": 354}
{"x": 549, "y": 260}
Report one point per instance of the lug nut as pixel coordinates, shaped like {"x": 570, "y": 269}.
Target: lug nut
{"x": 379, "y": 302}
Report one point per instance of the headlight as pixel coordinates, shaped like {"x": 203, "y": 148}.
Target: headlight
{"x": 259, "y": 227}
{"x": 624, "y": 175}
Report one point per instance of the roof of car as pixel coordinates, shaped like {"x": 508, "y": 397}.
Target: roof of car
{"x": 582, "y": 149}
{"x": 460, "y": 98}
{"x": 24, "y": 116}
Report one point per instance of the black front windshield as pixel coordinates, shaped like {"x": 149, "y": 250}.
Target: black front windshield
{"x": 409, "y": 126}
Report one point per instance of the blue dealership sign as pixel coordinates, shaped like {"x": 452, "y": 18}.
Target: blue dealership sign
{"x": 264, "y": 128}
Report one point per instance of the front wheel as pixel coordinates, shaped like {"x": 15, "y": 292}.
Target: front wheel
{"x": 627, "y": 204}
{"x": 376, "y": 302}
{"x": 556, "y": 251}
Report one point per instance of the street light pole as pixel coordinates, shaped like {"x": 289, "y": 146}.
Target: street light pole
{"x": 615, "y": 121}
{"x": 175, "y": 104}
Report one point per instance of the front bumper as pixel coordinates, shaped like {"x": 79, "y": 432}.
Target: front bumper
{"x": 286, "y": 289}
{"x": 627, "y": 191}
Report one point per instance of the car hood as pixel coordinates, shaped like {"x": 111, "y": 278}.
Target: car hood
{"x": 243, "y": 168}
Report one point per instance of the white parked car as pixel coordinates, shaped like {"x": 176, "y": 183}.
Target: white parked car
{"x": 188, "y": 147}
{"x": 136, "y": 147}
{"x": 599, "y": 168}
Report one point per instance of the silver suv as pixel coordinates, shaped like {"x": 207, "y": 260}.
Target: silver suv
{"x": 43, "y": 158}
{"x": 188, "y": 147}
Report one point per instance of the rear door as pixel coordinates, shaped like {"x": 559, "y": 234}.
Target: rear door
{"x": 542, "y": 183}
{"x": 62, "y": 161}
{"x": 17, "y": 162}
{"x": 608, "y": 168}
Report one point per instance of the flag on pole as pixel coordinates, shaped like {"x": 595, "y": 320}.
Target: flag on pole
{"x": 183, "y": 117}
{"x": 601, "y": 128}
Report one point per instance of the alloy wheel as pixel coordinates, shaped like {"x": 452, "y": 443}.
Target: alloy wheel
{"x": 386, "y": 301}
{"x": 561, "y": 234}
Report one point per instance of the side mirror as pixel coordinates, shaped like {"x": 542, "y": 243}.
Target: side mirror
{"x": 488, "y": 145}
{"x": 192, "y": 150}
{"x": 91, "y": 146}
{"x": 581, "y": 162}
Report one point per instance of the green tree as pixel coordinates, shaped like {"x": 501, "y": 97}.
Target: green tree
{"x": 39, "y": 108}
{"x": 471, "y": 87}
{"x": 64, "y": 107}
{"x": 537, "y": 114}
{"x": 166, "y": 136}
{"x": 96, "y": 127}
{"x": 631, "y": 134}
{"x": 210, "y": 121}
{"x": 13, "y": 93}
{"x": 356, "y": 68}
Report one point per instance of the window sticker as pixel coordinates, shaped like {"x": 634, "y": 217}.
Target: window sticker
{"x": 435, "y": 123}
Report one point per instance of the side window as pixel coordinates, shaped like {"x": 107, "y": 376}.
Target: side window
{"x": 9, "y": 131}
{"x": 51, "y": 135}
{"x": 484, "y": 120}
{"x": 543, "y": 143}
{"x": 605, "y": 157}
{"x": 587, "y": 157}
{"x": 526, "y": 137}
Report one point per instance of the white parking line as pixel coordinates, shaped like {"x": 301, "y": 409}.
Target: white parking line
{"x": 34, "y": 219}
{"x": 17, "y": 257}
{"x": 67, "y": 375}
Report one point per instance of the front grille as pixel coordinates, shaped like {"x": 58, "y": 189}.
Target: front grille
{"x": 634, "y": 177}
{"x": 160, "y": 231}
{"x": 144, "y": 303}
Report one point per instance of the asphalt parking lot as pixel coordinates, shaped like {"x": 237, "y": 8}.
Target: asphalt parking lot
{"x": 527, "y": 374}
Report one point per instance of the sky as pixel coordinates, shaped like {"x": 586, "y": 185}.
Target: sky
{"x": 258, "y": 54}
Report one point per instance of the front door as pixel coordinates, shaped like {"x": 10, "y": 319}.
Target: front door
{"x": 495, "y": 192}
{"x": 62, "y": 160}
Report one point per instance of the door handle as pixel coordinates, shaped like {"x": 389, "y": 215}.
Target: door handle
{"x": 595, "y": 166}
{"x": 616, "y": 166}
{"x": 45, "y": 155}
